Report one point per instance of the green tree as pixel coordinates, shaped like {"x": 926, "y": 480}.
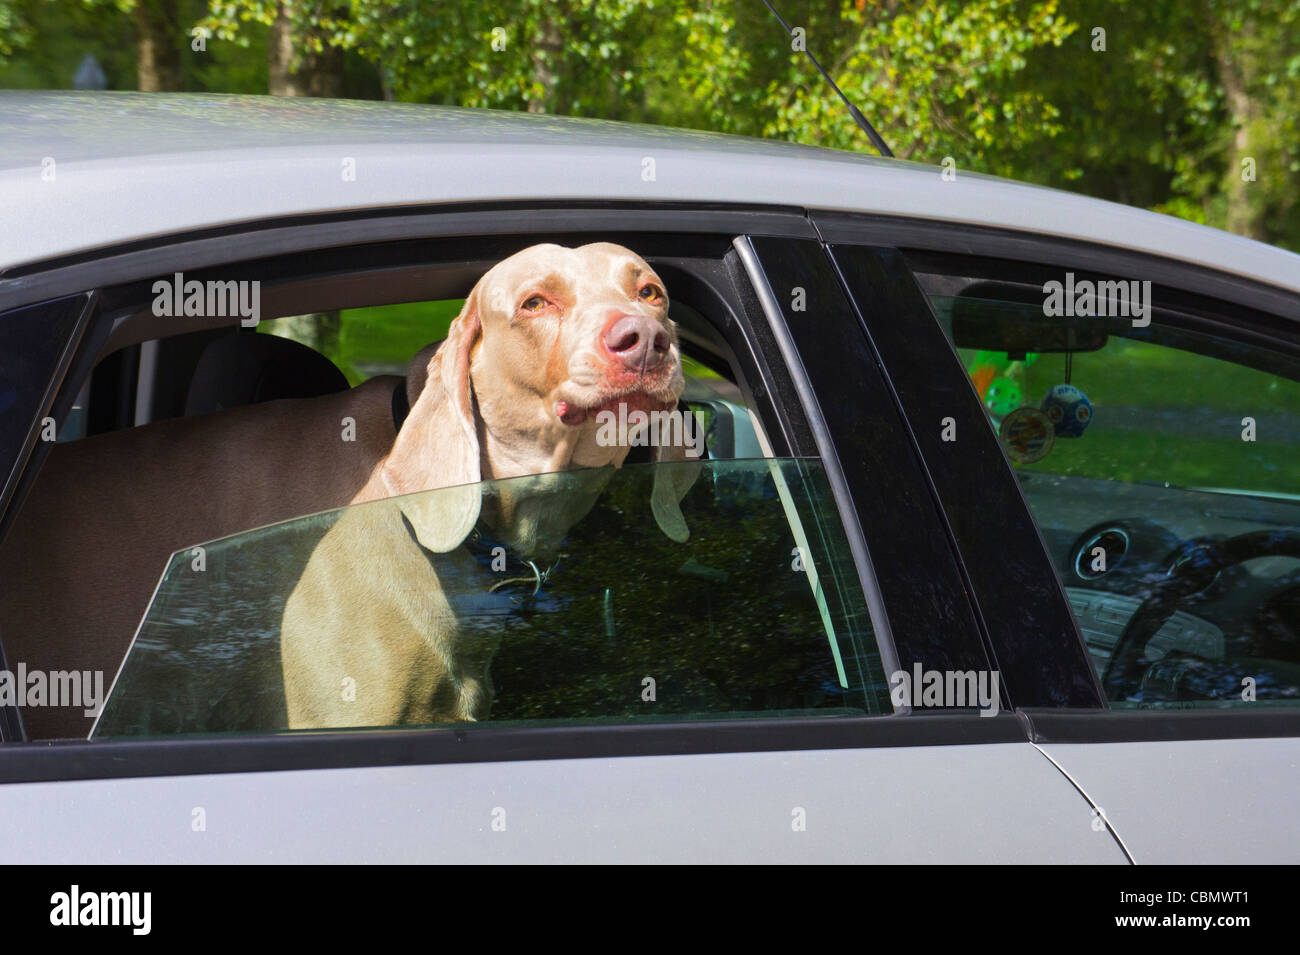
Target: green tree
{"x": 577, "y": 57}
{"x": 1191, "y": 108}
{"x": 14, "y": 30}
{"x": 932, "y": 75}
{"x": 43, "y": 42}
{"x": 1166, "y": 103}
{"x": 1256, "y": 52}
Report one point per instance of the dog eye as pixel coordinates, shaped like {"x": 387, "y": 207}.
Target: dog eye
{"x": 535, "y": 303}
{"x": 651, "y": 293}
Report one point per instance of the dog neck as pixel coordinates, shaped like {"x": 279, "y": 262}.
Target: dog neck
{"x": 532, "y": 515}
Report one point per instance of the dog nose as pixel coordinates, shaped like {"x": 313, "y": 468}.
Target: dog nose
{"x": 638, "y": 342}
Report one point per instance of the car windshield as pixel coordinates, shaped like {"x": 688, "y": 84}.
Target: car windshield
{"x": 759, "y": 613}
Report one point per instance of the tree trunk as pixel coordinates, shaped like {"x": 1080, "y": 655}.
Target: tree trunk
{"x": 317, "y": 330}
{"x": 158, "y": 52}
{"x": 279, "y": 55}
{"x": 548, "y": 41}
{"x": 1245, "y": 208}
{"x": 294, "y": 69}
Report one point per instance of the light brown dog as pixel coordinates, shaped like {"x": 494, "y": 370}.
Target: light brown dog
{"x": 547, "y": 340}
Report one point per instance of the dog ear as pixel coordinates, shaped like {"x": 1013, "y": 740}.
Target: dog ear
{"x": 674, "y": 475}
{"x": 438, "y": 444}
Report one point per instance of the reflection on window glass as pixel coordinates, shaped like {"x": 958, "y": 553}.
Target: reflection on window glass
{"x": 1163, "y": 468}
{"x": 759, "y": 614}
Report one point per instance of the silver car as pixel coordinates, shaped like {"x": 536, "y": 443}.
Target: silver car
{"x": 1001, "y": 505}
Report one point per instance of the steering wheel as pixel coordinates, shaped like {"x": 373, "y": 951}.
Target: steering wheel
{"x": 1127, "y": 662}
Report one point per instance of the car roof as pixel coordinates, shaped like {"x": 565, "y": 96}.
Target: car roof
{"x": 81, "y": 171}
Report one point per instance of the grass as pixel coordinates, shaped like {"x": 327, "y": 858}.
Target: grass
{"x": 1175, "y": 417}
{"x": 1143, "y": 457}
{"x": 1135, "y": 374}
{"x": 389, "y": 335}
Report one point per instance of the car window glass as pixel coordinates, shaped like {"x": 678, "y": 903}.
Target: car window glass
{"x": 1162, "y": 465}
{"x": 758, "y": 614}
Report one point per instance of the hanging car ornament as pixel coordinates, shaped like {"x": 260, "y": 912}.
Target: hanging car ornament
{"x": 1069, "y": 409}
{"x": 1027, "y": 434}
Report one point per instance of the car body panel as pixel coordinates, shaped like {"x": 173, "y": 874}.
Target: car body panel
{"x": 131, "y": 166}
{"x": 993, "y": 803}
{"x": 1214, "y": 801}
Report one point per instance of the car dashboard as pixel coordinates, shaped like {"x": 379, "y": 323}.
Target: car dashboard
{"x": 1112, "y": 543}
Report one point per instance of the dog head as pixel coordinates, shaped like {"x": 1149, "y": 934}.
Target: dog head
{"x": 548, "y": 340}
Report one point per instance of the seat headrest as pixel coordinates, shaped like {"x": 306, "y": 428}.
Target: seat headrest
{"x": 244, "y": 367}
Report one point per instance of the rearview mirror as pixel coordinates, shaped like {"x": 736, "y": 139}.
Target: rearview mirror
{"x": 992, "y": 316}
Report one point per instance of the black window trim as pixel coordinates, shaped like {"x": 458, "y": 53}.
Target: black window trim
{"x": 11, "y": 472}
{"x": 898, "y": 535}
{"x": 221, "y": 245}
{"x": 1150, "y": 726}
{"x": 1035, "y": 645}
{"x": 284, "y": 752}
{"x": 826, "y": 450}
{"x": 979, "y": 241}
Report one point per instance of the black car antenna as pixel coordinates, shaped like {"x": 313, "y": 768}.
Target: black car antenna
{"x": 856, "y": 113}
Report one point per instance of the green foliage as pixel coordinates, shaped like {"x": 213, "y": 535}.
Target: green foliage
{"x": 42, "y": 42}
{"x": 15, "y": 32}
{"x": 577, "y": 57}
{"x": 1163, "y": 116}
{"x": 1153, "y": 121}
{"x": 933, "y": 75}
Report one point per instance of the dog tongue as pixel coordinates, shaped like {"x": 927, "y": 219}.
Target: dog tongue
{"x": 570, "y": 416}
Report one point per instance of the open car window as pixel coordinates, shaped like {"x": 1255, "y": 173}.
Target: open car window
{"x": 1161, "y": 462}
{"x": 758, "y": 614}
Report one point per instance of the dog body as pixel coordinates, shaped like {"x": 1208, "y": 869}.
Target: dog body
{"x": 381, "y": 631}
{"x": 547, "y": 339}
{"x": 425, "y": 670}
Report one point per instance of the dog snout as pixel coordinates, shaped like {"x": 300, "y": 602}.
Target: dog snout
{"x": 640, "y": 343}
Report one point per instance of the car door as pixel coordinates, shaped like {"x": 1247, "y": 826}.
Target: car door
{"x": 1120, "y": 479}
{"x": 739, "y": 777}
